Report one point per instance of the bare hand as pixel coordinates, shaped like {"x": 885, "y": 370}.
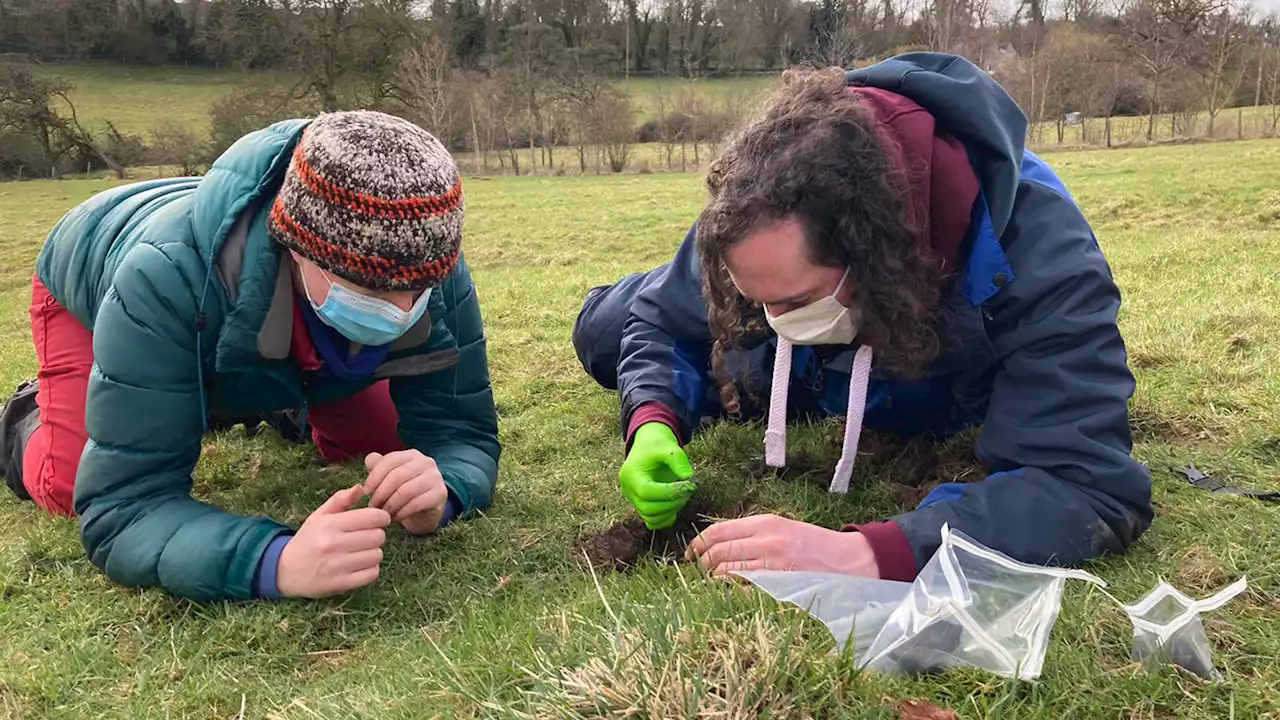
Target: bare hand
{"x": 770, "y": 542}
{"x": 408, "y": 485}
{"x": 336, "y": 550}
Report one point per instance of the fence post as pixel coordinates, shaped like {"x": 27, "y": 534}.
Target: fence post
{"x": 1240, "y": 123}
{"x": 1108, "y": 131}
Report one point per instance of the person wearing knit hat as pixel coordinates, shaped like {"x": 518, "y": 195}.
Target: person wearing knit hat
{"x": 879, "y": 248}
{"x": 314, "y": 279}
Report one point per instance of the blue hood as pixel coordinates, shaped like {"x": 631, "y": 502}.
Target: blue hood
{"x": 969, "y": 106}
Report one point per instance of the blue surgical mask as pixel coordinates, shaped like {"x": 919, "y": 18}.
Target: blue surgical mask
{"x": 363, "y": 319}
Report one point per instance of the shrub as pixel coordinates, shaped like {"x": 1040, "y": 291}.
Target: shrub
{"x": 176, "y": 144}
{"x": 254, "y": 108}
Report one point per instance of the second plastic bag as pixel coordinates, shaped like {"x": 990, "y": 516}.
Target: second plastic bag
{"x": 970, "y": 605}
{"x": 1167, "y": 627}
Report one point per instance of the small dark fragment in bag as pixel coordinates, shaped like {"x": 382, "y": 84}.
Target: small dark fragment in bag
{"x": 1187, "y": 647}
{"x": 1213, "y": 485}
{"x": 924, "y": 653}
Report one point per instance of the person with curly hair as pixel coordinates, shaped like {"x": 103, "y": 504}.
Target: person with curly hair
{"x": 879, "y": 245}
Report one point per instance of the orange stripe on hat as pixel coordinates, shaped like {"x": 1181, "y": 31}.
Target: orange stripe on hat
{"x": 315, "y": 247}
{"x": 402, "y": 208}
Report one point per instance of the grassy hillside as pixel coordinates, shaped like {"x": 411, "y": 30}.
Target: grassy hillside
{"x": 135, "y": 98}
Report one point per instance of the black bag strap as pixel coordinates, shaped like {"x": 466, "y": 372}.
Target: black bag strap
{"x": 1213, "y": 485}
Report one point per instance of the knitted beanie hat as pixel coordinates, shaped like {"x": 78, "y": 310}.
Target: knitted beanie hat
{"x": 373, "y": 199}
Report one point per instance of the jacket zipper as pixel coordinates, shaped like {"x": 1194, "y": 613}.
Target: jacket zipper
{"x": 303, "y": 407}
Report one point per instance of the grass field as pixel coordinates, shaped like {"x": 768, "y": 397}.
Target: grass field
{"x": 497, "y": 618}
{"x": 133, "y": 98}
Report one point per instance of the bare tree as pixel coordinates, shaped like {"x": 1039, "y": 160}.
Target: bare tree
{"x": 1269, "y": 70}
{"x": 1222, "y": 65}
{"x": 40, "y": 109}
{"x": 578, "y": 90}
{"x": 663, "y": 108}
{"x": 949, "y": 24}
{"x": 531, "y": 61}
{"x": 1081, "y": 11}
{"x": 321, "y": 29}
{"x": 774, "y": 18}
{"x": 843, "y": 31}
{"x": 476, "y": 91}
{"x": 688, "y": 36}
{"x": 1159, "y": 35}
{"x": 173, "y": 143}
{"x": 425, "y": 84}
{"x": 640, "y": 30}
{"x": 612, "y": 127}
{"x": 336, "y": 45}
{"x": 741, "y": 45}
{"x": 1079, "y": 73}
{"x": 1034, "y": 11}
{"x": 505, "y": 102}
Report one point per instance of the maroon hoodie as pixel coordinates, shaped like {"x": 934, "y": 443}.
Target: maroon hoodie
{"x": 943, "y": 188}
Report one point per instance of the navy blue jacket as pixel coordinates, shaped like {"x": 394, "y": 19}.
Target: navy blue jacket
{"x": 1031, "y": 349}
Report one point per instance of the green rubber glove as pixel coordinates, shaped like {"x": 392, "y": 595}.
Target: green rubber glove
{"x": 655, "y": 475}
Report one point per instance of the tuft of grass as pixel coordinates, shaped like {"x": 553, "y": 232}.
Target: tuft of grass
{"x": 497, "y": 617}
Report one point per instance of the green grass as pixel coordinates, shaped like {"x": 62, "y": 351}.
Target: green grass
{"x": 495, "y": 618}
{"x": 733, "y": 95}
{"x": 135, "y": 98}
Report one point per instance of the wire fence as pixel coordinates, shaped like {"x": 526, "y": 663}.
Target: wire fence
{"x": 1230, "y": 124}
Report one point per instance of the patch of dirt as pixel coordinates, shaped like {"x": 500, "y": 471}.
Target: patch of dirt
{"x": 913, "y": 467}
{"x": 1240, "y": 342}
{"x": 1149, "y": 424}
{"x": 1199, "y": 572}
{"x": 800, "y": 464}
{"x": 1141, "y": 359}
{"x": 924, "y": 710}
{"x": 624, "y": 544}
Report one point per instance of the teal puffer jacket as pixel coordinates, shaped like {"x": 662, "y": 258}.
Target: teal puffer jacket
{"x": 191, "y": 307}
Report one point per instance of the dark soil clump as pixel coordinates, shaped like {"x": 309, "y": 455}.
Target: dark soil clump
{"x": 916, "y": 466}
{"x": 815, "y": 467}
{"x": 623, "y": 544}
{"x": 912, "y": 467}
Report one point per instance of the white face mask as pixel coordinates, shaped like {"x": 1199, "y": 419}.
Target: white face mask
{"x": 821, "y": 322}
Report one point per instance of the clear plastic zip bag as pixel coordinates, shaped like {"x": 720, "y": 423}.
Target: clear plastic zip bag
{"x": 1167, "y": 628}
{"x": 854, "y": 609}
{"x": 970, "y": 605}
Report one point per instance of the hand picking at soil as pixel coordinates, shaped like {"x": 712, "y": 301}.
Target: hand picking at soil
{"x": 408, "y": 485}
{"x": 337, "y": 549}
{"x": 771, "y": 542}
{"x": 655, "y": 476}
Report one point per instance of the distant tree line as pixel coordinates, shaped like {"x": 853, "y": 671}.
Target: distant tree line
{"x": 530, "y": 85}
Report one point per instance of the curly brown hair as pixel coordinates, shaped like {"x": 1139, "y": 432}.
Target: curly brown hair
{"x": 814, "y": 154}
